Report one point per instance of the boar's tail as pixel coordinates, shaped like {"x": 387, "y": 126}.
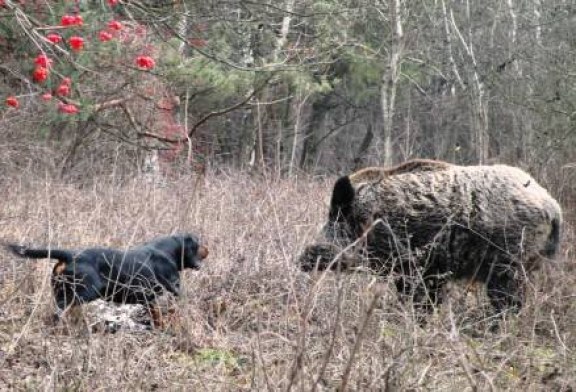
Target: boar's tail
{"x": 553, "y": 242}
{"x": 342, "y": 198}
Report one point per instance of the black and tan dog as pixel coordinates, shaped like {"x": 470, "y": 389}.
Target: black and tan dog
{"x": 135, "y": 276}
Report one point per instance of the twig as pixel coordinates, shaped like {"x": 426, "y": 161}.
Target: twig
{"x": 359, "y": 338}
{"x": 332, "y": 341}
{"x": 110, "y": 104}
{"x": 207, "y": 117}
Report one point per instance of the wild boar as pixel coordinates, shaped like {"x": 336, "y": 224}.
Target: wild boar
{"x": 431, "y": 221}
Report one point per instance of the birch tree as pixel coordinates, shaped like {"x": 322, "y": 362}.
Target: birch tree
{"x": 390, "y": 78}
{"x": 475, "y": 86}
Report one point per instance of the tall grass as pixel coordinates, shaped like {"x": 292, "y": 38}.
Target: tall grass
{"x": 250, "y": 320}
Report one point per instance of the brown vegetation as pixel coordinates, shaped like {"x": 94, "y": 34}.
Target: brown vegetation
{"x": 250, "y": 320}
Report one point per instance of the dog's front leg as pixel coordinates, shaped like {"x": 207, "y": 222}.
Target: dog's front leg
{"x": 156, "y": 315}
{"x": 159, "y": 319}
{"x": 172, "y": 285}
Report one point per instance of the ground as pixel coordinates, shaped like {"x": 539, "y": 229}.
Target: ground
{"x": 249, "y": 319}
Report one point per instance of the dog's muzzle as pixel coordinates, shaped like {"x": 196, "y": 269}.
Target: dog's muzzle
{"x": 202, "y": 252}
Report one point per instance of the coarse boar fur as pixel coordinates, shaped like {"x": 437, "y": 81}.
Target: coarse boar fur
{"x": 431, "y": 221}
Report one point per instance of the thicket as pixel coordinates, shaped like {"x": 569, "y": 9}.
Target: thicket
{"x": 319, "y": 86}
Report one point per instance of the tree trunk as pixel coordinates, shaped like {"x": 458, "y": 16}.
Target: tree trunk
{"x": 478, "y": 101}
{"x": 360, "y": 158}
{"x": 297, "y": 125}
{"x": 309, "y": 147}
{"x": 390, "y": 84}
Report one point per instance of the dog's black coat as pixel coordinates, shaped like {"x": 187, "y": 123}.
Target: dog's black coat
{"x": 134, "y": 276}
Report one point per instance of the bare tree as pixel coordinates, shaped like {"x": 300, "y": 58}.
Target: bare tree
{"x": 390, "y": 78}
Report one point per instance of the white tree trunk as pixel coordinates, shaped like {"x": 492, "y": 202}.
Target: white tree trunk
{"x": 284, "y": 30}
{"x": 390, "y": 83}
{"x": 449, "y": 49}
{"x": 479, "y": 110}
{"x": 296, "y": 140}
{"x": 183, "y": 29}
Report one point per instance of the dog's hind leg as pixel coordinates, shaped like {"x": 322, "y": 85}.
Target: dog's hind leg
{"x": 73, "y": 314}
{"x": 70, "y": 295}
{"x": 70, "y": 319}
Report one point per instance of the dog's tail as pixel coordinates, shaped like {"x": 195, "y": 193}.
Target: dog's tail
{"x": 58, "y": 254}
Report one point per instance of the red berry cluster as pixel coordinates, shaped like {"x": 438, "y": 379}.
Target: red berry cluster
{"x": 43, "y": 64}
{"x": 145, "y": 62}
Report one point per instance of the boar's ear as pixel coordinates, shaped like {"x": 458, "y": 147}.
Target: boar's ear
{"x": 342, "y": 197}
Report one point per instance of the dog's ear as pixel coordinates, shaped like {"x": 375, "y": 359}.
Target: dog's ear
{"x": 191, "y": 242}
{"x": 191, "y": 237}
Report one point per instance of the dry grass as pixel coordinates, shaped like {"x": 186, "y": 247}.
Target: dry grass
{"x": 250, "y": 320}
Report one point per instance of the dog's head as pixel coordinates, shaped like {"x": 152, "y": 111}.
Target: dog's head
{"x": 192, "y": 251}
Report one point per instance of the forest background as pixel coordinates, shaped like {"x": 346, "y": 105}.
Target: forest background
{"x": 315, "y": 86}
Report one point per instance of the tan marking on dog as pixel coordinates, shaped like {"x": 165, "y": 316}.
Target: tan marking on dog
{"x": 74, "y": 314}
{"x": 203, "y": 252}
{"x": 59, "y": 268}
{"x": 72, "y": 320}
{"x": 164, "y": 320}
{"x": 157, "y": 317}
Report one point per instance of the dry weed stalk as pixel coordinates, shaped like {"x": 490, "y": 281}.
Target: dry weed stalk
{"x": 251, "y": 320}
